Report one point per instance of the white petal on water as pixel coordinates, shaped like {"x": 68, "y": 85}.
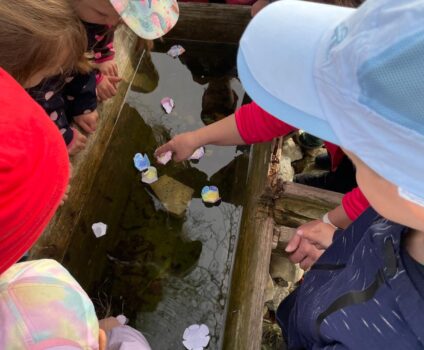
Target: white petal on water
{"x": 196, "y": 337}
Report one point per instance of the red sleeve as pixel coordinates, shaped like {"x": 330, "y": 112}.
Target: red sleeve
{"x": 256, "y": 125}
{"x": 335, "y": 153}
{"x": 354, "y": 203}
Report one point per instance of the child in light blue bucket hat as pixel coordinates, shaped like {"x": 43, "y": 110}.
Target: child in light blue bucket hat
{"x": 355, "y": 78}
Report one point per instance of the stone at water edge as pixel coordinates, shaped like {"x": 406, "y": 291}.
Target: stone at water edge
{"x": 286, "y": 171}
{"x": 292, "y": 150}
{"x": 280, "y": 293}
{"x": 269, "y": 289}
{"x": 281, "y": 267}
{"x": 174, "y": 196}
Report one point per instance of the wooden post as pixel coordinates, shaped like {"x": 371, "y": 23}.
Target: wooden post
{"x": 245, "y": 306}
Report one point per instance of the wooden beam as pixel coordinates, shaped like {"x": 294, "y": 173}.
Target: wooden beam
{"x": 297, "y": 204}
{"x": 210, "y": 22}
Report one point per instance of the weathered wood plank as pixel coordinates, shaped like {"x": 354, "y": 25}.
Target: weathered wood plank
{"x": 211, "y": 22}
{"x": 57, "y": 236}
{"x": 297, "y": 204}
{"x": 284, "y": 235}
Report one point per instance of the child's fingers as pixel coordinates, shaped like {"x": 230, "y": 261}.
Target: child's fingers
{"x": 115, "y": 70}
{"x": 320, "y": 235}
{"x": 163, "y": 149}
{"x": 85, "y": 125}
{"x": 115, "y": 80}
{"x": 112, "y": 90}
{"x": 293, "y": 244}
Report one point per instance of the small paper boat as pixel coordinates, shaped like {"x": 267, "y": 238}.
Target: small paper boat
{"x": 176, "y": 51}
{"x": 198, "y": 153}
{"x": 150, "y": 175}
{"x": 210, "y": 194}
{"x": 164, "y": 158}
{"x": 99, "y": 229}
{"x": 141, "y": 162}
{"x": 167, "y": 104}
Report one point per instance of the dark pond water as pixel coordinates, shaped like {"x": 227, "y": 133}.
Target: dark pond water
{"x": 165, "y": 272}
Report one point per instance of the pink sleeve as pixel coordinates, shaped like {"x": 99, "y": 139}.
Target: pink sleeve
{"x": 354, "y": 203}
{"x": 256, "y": 125}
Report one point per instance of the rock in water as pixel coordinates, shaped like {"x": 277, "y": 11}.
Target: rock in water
{"x": 282, "y": 267}
{"x": 291, "y": 150}
{"x": 174, "y": 195}
{"x": 286, "y": 171}
{"x": 269, "y": 290}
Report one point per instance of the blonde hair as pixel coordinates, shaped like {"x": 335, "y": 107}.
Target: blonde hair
{"x": 35, "y": 34}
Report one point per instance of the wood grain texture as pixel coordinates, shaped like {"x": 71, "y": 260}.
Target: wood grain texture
{"x": 210, "y": 22}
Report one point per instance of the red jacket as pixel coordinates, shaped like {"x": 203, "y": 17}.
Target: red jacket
{"x": 255, "y": 125}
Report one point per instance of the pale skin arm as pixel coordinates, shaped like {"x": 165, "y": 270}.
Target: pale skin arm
{"x": 339, "y": 218}
{"x": 221, "y": 133}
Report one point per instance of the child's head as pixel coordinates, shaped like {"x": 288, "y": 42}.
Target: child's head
{"x": 40, "y": 38}
{"x": 43, "y": 307}
{"x": 354, "y": 78}
{"x": 149, "y": 19}
{"x": 34, "y": 171}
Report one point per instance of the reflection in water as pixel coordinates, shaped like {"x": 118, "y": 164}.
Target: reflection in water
{"x": 163, "y": 272}
{"x": 200, "y": 296}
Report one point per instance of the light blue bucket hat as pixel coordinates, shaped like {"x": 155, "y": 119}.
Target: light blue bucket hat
{"x": 354, "y": 77}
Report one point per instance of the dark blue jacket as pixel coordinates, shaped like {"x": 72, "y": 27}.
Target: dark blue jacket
{"x": 358, "y": 295}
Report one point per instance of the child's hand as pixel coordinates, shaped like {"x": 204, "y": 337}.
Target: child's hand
{"x": 87, "y": 121}
{"x": 109, "y": 323}
{"x": 77, "y": 144}
{"x": 108, "y": 87}
{"x": 109, "y": 68}
{"x": 182, "y": 146}
{"x": 309, "y": 242}
{"x": 318, "y": 233}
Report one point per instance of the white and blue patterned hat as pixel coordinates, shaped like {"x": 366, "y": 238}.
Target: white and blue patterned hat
{"x": 354, "y": 77}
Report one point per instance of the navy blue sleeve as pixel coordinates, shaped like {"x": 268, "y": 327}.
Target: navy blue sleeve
{"x": 49, "y": 95}
{"x": 80, "y": 94}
